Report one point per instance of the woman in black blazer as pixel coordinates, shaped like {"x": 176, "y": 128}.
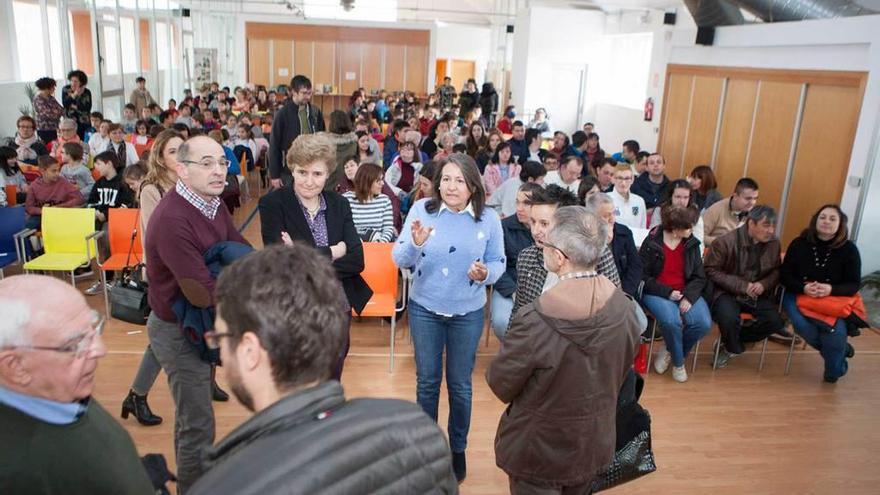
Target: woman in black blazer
{"x": 319, "y": 218}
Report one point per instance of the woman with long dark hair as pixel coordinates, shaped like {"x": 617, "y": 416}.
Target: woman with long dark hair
{"x": 821, "y": 273}
{"x": 702, "y": 179}
{"x": 455, "y": 247}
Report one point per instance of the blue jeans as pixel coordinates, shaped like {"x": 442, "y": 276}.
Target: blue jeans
{"x": 680, "y": 331}
{"x": 459, "y": 336}
{"x": 831, "y": 345}
{"x": 501, "y": 309}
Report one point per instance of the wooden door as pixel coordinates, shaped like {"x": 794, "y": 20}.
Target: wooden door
{"x": 736, "y": 132}
{"x": 394, "y": 63}
{"x": 828, "y": 128}
{"x": 372, "y": 63}
{"x": 282, "y": 62}
{"x": 770, "y": 150}
{"x": 258, "y": 61}
{"x": 325, "y": 64}
{"x": 461, "y": 71}
{"x": 676, "y": 110}
{"x": 702, "y": 125}
{"x": 440, "y": 71}
{"x": 416, "y": 69}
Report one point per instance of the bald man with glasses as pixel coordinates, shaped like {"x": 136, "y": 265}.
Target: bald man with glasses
{"x": 56, "y": 437}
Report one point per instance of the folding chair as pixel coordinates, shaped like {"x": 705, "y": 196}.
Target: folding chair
{"x": 12, "y": 221}
{"x": 380, "y": 273}
{"x": 69, "y": 241}
{"x": 717, "y": 345}
{"x": 654, "y": 329}
{"x": 124, "y": 236}
{"x": 11, "y": 194}
{"x": 243, "y": 182}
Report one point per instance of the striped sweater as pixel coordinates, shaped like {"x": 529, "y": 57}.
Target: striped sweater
{"x": 374, "y": 220}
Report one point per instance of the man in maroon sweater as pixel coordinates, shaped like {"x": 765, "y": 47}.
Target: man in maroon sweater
{"x": 185, "y": 224}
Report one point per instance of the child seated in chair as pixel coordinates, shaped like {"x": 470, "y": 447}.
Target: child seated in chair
{"x": 50, "y": 189}
{"x": 110, "y": 191}
{"x": 73, "y": 168}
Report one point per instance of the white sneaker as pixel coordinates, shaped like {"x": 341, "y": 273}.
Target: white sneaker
{"x": 96, "y": 288}
{"x": 679, "y": 374}
{"x": 661, "y": 362}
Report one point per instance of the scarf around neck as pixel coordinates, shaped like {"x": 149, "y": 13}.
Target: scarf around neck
{"x": 25, "y": 152}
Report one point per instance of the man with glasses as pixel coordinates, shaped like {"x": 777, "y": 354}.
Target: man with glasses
{"x": 297, "y": 117}
{"x": 186, "y": 224}
{"x": 56, "y": 438}
{"x": 280, "y": 346}
{"x": 26, "y": 143}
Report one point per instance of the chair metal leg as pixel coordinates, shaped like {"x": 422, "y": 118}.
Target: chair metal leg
{"x": 651, "y": 348}
{"x": 72, "y": 279}
{"x": 763, "y": 351}
{"x": 696, "y": 353}
{"x": 489, "y": 320}
{"x": 717, "y": 346}
{"x": 391, "y": 352}
{"x": 106, "y": 295}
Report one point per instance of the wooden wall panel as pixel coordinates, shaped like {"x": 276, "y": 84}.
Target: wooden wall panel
{"x": 702, "y": 125}
{"x": 263, "y": 30}
{"x": 439, "y": 71}
{"x": 775, "y": 120}
{"x": 258, "y": 61}
{"x": 282, "y": 60}
{"x": 302, "y": 59}
{"x": 372, "y": 58}
{"x": 460, "y": 72}
{"x": 736, "y": 131}
{"x": 349, "y": 65}
{"x": 417, "y": 69}
{"x": 394, "y": 60}
{"x": 676, "y": 109}
{"x": 828, "y": 128}
{"x": 325, "y": 63}
{"x": 145, "y": 45}
{"x": 82, "y": 36}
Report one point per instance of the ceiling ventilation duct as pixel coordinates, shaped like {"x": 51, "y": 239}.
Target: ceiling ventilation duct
{"x": 711, "y": 13}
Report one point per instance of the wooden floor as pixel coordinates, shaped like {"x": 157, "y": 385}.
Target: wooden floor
{"x": 730, "y": 431}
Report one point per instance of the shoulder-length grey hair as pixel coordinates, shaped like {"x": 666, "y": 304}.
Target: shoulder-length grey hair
{"x": 580, "y": 234}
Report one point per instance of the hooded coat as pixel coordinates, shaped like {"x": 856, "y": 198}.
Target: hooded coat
{"x": 489, "y": 103}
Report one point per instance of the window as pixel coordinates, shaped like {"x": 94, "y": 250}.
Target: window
{"x": 29, "y": 40}
{"x": 130, "y": 56}
{"x": 628, "y": 60}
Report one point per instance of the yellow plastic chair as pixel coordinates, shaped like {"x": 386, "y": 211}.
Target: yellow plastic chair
{"x": 69, "y": 241}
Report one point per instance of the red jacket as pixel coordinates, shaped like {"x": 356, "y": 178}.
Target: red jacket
{"x": 59, "y": 193}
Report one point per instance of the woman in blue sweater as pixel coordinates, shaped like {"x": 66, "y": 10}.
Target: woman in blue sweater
{"x": 455, "y": 247}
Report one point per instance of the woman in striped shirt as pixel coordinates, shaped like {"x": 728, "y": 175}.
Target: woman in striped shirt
{"x": 371, "y": 210}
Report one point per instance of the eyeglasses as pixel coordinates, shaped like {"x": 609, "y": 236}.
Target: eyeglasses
{"x": 79, "y": 345}
{"x": 547, "y": 244}
{"x": 210, "y": 163}
{"x": 213, "y": 338}
{"x": 25, "y": 127}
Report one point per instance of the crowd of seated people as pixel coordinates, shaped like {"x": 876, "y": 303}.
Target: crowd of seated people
{"x": 470, "y": 200}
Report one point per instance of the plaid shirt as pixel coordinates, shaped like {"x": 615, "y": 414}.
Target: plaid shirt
{"x": 531, "y": 275}
{"x": 209, "y": 209}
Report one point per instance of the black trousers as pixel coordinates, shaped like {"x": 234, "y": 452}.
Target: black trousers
{"x": 726, "y": 311}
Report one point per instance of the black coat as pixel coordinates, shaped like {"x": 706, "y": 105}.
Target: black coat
{"x": 280, "y": 212}
{"x": 627, "y": 259}
{"x": 516, "y": 238}
{"x": 468, "y": 101}
{"x": 653, "y": 260}
{"x": 316, "y": 441}
{"x": 286, "y": 128}
{"x": 653, "y": 194}
{"x": 489, "y": 102}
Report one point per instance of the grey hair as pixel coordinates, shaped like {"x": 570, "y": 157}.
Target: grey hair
{"x": 580, "y": 234}
{"x": 67, "y": 123}
{"x": 599, "y": 199}
{"x": 760, "y": 213}
{"x": 448, "y": 135}
{"x": 15, "y": 314}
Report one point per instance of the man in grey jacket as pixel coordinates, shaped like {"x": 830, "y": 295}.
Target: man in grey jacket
{"x": 279, "y": 347}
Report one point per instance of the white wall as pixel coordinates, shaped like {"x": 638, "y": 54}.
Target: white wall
{"x": 832, "y": 44}
{"x": 12, "y": 95}
{"x": 462, "y": 42}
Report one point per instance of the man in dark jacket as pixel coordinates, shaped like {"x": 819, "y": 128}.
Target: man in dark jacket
{"x": 517, "y": 237}
{"x": 518, "y": 145}
{"x": 305, "y": 437}
{"x": 743, "y": 265}
{"x": 652, "y": 185}
{"x": 489, "y": 104}
{"x": 297, "y": 117}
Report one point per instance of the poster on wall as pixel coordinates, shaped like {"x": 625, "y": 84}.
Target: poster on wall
{"x": 205, "y": 66}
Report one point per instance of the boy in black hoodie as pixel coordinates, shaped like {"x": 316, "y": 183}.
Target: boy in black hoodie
{"x": 109, "y": 191}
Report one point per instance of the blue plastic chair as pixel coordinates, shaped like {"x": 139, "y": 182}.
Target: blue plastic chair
{"x": 12, "y": 220}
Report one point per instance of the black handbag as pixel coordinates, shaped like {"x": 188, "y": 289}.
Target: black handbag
{"x": 128, "y": 295}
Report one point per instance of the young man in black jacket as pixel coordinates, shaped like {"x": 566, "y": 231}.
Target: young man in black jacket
{"x": 305, "y": 437}
{"x": 297, "y": 117}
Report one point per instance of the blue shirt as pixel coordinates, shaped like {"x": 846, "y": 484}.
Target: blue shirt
{"x": 45, "y": 410}
{"x": 440, "y": 265}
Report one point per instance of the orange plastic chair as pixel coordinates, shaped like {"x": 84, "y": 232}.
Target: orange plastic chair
{"x": 122, "y": 223}
{"x": 380, "y": 273}
{"x": 11, "y": 191}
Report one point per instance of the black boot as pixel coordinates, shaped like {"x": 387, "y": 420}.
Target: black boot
{"x": 137, "y": 405}
{"x": 459, "y": 466}
{"x": 217, "y": 393}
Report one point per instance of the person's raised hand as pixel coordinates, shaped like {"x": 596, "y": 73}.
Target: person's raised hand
{"x": 420, "y": 233}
